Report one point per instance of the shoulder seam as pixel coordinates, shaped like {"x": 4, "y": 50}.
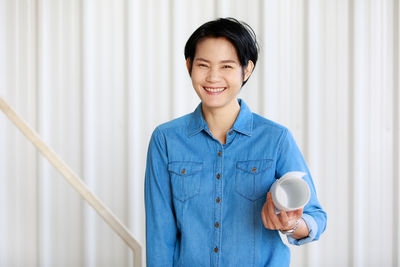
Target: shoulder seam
{"x": 281, "y": 138}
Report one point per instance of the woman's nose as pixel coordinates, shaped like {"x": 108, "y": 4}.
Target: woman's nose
{"x": 213, "y": 75}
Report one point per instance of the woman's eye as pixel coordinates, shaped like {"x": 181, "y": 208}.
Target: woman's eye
{"x": 202, "y": 65}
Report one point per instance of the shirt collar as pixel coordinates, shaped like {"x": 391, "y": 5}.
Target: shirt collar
{"x": 243, "y": 123}
{"x": 197, "y": 122}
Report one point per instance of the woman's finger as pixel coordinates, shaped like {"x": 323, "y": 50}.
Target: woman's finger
{"x": 263, "y": 217}
{"x": 295, "y": 214}
{"x": 283, "y": 217}
{"x": 273, "y": 218}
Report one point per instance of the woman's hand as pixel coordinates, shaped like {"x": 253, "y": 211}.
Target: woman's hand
{"x": 283, "y": 221}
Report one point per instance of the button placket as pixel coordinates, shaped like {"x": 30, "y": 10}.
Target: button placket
{"x": 218, "y": 182}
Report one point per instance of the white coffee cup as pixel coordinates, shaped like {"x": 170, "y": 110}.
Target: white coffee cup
{"x": 290, "y": 192}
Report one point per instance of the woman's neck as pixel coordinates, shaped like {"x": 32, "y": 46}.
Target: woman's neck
{"x": 221, "y": 120}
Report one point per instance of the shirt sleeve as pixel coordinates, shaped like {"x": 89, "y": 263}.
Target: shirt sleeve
{"x": 290, "y": 158}
{"x": 161, "y": 230}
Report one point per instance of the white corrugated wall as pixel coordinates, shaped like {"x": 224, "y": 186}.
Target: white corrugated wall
{"x": 95, "y": 77}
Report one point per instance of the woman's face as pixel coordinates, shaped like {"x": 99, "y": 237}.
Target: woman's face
{"x": 216, "y": 72}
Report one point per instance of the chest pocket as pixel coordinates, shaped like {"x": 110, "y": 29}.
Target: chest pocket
{"x": 185, "y": 179}
{"x": 254, "y": 178}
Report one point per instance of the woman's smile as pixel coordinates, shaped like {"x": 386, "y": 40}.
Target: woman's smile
{"x": 214, "y": 90}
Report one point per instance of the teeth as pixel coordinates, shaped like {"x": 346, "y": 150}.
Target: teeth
{"x": 214, "y": 90}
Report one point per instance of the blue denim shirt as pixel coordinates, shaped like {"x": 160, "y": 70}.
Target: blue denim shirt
{"x": 204, "y": 199}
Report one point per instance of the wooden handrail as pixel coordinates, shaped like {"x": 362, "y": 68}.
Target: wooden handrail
{"x": 77, "y": 183}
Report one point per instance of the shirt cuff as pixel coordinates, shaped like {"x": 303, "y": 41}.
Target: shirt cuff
{"x": 312, "y": 228}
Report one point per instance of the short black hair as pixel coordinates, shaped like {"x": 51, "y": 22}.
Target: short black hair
{"x": 239, "y": 33}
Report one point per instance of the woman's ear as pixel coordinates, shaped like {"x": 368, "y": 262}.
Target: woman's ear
{"x": 248, "y": 70}
{"x": 188, "y": 65}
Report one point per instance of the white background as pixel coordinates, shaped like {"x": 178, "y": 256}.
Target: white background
{"x": 95, "y": 77}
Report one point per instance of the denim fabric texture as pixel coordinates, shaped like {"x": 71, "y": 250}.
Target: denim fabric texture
{"x": 204, "y": 199}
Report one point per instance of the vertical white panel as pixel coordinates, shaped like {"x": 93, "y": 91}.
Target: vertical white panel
{"x": 223, "y": 8}
{"x": 374, "y": 142}
{"x": 360, "y": 123}
{"x": 105, "y": 126}
{"x": 269, "y": 59}
{"x": 157, "y": 38}
{"x": 10, "y": 197}
{"x": 396, "y": 136}
{"x": 137, "y": 139}
{"x": 381, "y": 140}
{"x": 282, "y": 64}
{"x": 27, "y": 156}
{"x": 150, "y": 110}
{"x": 371, "y": 167}
{"x": 17, "y": 159}
{"x": 333, "y": 175}
{"x": 59, "y": 125}
{"x": 88, "y": 123}
{"x": 4, "y": 243}
{"x": 46, "y": 229}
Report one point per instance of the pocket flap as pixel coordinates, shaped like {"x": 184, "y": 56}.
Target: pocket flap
{"x": 255, "y": 166}
{"x": 184, "y": 168}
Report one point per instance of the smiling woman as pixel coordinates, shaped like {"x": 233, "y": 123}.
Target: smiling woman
{"x": 94, "y": 78}
{"x": 208, "y": 173}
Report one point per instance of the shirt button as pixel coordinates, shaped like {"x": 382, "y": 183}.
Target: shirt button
{"x": 231, "y": 132}
{"x": 216, "y": 225}
{"x": 218, "y": 200}
{"x": 216, "y": 250}
{"x": 219, "y": 153}
{"x": 218, "y": 176}
{"x": 183, "y": 171}
{"x": 254, "y": 169}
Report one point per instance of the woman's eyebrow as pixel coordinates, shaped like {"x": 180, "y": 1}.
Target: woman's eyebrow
{"x": 222, "y": 61}
{"x": 202, "y": 59}
{"x": 229, "y": 61}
